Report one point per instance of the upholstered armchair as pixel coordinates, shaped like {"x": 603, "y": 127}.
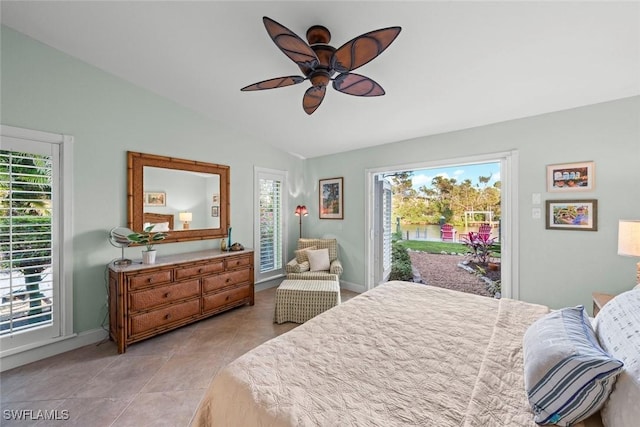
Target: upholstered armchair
{"x": 316, "y": 259}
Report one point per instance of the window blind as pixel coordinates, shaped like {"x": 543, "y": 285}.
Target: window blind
{"x": 271, "y": 240}
{"x": 26, "y": 279}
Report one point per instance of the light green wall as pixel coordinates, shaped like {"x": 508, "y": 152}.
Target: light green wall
{"x": 46, "y": 90}
{"x": 557, "y": 268}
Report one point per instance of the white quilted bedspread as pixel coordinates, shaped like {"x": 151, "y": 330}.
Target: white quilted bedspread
{"x": 401, "y": 354}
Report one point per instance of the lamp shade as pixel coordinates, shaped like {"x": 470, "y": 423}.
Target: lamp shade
{"x": 301, "y": 210}
{"x": 185, "y": 216}
{"x": 629, "y": 237}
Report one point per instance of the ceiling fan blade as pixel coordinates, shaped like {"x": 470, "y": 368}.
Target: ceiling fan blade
{"x": 357, "y": 52}
{"x": 290, "y": 44}
{"x": 274, "y": 83}
{"x": 313, "y": 98}
{"x": 357, "y": 85}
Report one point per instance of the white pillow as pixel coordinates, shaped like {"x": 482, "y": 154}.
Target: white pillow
{"x": 318, "y": 259}
{"x": 567, "y": 375}
{"x": 161, "y": 226}
{"x": 617, "y": 327}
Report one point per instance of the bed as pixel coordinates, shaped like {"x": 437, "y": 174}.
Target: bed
{"x": 164, "y": 222}
{"x": 401, "y": 354}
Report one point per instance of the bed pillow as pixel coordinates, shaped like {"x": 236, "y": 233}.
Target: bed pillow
{"x": 617, "y": 327}
{"x": 301, "y": 254}
{"x": 159, "y": 226}
{"x": 300, "y": 268}
{"x": 567, "y": 375}
{"x": 318, "y": 259}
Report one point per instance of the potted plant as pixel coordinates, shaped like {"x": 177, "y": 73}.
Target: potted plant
{"x": 147, "y": 237}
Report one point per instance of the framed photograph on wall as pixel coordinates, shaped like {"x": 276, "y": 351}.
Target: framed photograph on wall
{"x": 215, "y": 211}
{"x": 570, "y": 177}
{"x": 579, "y": 215}
{"x": 331, "y": 193}
{"x": 158, "y": 198}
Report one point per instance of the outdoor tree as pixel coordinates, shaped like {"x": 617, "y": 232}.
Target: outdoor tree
{"x": 445, "y": 197}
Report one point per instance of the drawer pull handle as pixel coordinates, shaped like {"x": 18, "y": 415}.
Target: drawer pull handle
{"x": 166, "y": 295}
{"x": 199, "y": 270}
{"x": 167, "y": 316}
{"x": 149, "y": 280}
{"x": 228, "y": 280}
{"x": 227, "y": 298}
{"x": 237, "y": 262}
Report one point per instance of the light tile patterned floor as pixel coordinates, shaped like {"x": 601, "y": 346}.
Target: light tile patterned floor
{"x": 157, "y": 382}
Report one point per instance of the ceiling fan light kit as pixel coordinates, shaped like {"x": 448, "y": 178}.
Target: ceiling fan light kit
{"x": 320, "y": 62}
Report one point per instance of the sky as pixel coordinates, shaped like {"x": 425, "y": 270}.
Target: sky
{"x": 460, "y": 173}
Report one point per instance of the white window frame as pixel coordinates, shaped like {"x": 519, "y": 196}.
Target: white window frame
{"x": 265, "y": 173}
{"x": 62, "y": 240}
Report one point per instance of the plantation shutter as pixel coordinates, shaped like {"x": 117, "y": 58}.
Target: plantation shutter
{"x": 270, "y": 230}
{"x": 28, "y": 278}
{"x": 386, "y": 227}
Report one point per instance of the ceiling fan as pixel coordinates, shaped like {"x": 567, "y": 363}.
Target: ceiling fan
{"x": 319, "y": 62}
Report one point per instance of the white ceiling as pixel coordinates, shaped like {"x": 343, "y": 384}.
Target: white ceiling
{"x": 455, "y": 64}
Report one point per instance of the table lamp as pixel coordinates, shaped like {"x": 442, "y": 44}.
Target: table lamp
{"x": 629, "y": 241}
{"x": 185, "y": 217}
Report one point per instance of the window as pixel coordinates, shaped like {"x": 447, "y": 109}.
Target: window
{"x": 34, "y": 285}
{"x": 269, "y": 238}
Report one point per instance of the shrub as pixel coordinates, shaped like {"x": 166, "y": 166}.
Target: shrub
{"x": 400, "y": 263}
{"x": 480, "y": 246}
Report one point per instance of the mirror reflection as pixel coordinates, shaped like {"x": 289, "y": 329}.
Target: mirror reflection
{"x": 180, "y": 200}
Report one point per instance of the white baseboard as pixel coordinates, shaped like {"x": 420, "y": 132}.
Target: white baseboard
{"x": 47, "y": 350}
{"x": 352, "y": 287}
{"x": 268, "y": 284}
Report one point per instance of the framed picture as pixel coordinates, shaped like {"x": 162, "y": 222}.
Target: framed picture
{"x": 569, "y": 177}
{"x": 331, "y": 198}
{"x": 572, "y": 215}
{"x": 215, "y": 211}
{"x": 155, "y": 198}
{"x": 215, "y": 199}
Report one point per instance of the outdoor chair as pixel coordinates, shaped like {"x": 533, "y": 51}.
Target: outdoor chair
{"x": 447, "y": 233}
{"x": 484, "y": 230}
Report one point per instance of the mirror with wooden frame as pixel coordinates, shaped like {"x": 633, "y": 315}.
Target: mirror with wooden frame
{"x": 187, "y": 199}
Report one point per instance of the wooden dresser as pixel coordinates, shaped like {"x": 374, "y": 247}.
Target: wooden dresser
{"x": 148, "y": 299}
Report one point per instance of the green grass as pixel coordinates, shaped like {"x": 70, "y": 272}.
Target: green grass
{"x": 434, "y": 247}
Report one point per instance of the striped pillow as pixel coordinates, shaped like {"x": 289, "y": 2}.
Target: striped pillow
{"x": 567, "y": 376}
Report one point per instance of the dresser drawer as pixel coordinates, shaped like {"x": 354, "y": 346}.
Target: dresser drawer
{"x": 149, "y": 279}
{"x": 226, "y": 279}
{"x": 156, "y": 319}
{"x": 220, "y": 299}
{"x": 200, "y": 269}
{"x": 150, "y": 298}
{"x": 239, "y": 261}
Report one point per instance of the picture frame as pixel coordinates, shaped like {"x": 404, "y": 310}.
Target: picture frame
{"x": 580, "y": 215}
{"x": 155, "y": 198}
{"x": 571, "y": 177}
{"x": 331, "y": 198}
{"x": 215, "y": 211}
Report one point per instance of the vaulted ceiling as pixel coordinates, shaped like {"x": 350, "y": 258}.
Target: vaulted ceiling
{"x": 455, "y": 64}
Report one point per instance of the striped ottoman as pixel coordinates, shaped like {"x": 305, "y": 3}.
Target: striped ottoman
{"x": 299, "y": 300}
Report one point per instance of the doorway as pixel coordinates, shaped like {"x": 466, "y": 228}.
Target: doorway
{"x": 379, "y": 229}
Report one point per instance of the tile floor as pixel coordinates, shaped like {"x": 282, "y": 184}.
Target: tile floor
{"x": 157, "y": 382}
